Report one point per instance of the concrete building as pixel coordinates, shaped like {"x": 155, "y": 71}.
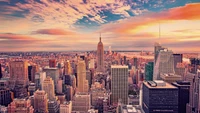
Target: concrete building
{"x": 82, "y": 85}
{"x": 66, "y": 107}
{"x": 48, "y": 87}
{"x": 31, "y": 88}
{"x": 97, "y": 91}
{"x": 53, "y": 106}
{"x": 170, "y": 77}
{"x": 18, "y": 73}
{"x": 91, "y": 64}
{"x": 20, "y": 106}
{"x": 164, "y": 64}
{"x": 40, "y": 102}
{"x": 81, "y": 103}
{"x": 39, "y": 79}
{"x": 159, "y": 97}
{"x": 149, "y": 71}
{"x": 119, "y": 84}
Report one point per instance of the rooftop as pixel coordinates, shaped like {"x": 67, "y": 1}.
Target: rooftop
{"x": 119, "y": 66}
{"x": 159, "y": 84}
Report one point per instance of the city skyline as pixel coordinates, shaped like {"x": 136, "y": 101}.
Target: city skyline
{"x": 68, "y": 25}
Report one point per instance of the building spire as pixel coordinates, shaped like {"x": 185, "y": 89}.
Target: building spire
{"x": 100, "y": 37}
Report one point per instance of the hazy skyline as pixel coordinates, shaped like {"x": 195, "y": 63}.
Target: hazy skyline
{"x": 64, "y": 25}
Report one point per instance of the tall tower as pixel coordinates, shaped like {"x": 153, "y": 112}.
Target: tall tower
{"x": 67, "y": 68}
{"x": 40, "y": 101}
{"x": 81, "y": 77}
{"x": 119, "y": 84}
{"x": 100, "y": 56}
{"x": 48, "y": 87}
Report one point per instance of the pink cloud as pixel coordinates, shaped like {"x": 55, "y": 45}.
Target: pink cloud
{"x": 53, "y": 32}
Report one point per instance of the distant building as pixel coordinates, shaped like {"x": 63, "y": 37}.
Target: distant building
{"x": 40, "y": 102}
{"x": 20, "y": 106}
{"x": 81, "y": 102}
{"x": 39, "y": 79}
{"x": 149, "y": 71}
{"x": 31, "y": 88}
{"x": 66, "y": 107}
{"x": 91, "y": 64}
{"x": 159, "y": 97}
{"x": 170, "y": 77}
{"x": 183, "y": 95}
{"x": 119, "y": 84}
{"x": 97, "y": 91}
{"x": 52, "y": 63}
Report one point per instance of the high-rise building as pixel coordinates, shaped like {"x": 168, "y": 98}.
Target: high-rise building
{"x": 159, "y": 97}
{"x": 5, "y": 97}
{"x": 67, "y": 80}
{"x": 40, "y": 102}
{"x": 149, "y": 71}
{"x": 52, "y": 63}
{"x": 49, "y": 88}
{"x": 18, "y": 73}
{"x": 183, "y": 94}
{"x": 67, "y": 68}
{"x": 33, "y": 72}
{"x": 119, "y": 84}
{"x": 20, "y": 106}
{"x": 164, "y": 64}
{"x": 157, "y": 48}
{"x": 39, "y": 78}
{"x": 53, "y": 73}
{"x": 91, "y": 64}
{"x": 82, "y": 85}
{"x": 66, "y": 107}
{"x": 81, "y": 103}
{"x": 194, "y": 102}
{"x": 31, "y": 88}
{"x": 100, "y": 56}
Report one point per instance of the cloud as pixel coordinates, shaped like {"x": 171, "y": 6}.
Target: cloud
{"x": 53, "y": 32}
{"x": 133, "y": 24}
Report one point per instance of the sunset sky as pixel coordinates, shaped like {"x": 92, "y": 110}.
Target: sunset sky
{"x": 66, "y": 25}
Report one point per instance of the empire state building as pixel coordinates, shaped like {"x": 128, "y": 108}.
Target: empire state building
{"x": 100, "y": 56}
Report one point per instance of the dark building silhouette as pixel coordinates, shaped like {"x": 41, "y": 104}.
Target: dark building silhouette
{"x": 5, "y": 97}
{"x": 52, "y": 63}
{"x": 159, "y": 97}
{"x": 183, "y": 95}
{"x": 1, "y": 75}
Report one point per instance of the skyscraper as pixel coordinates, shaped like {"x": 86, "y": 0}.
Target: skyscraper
{"x": 119, "y": 84}
{"x": 82, "y": 85}
{"x": 49, "y": 88}
{"x": 40, "y": 102}
{"x": 183, "y": 94}
{"x": 5, "y": 96}
{"x": 159, "y": 97}
{"x": 149, "y": 71}
{"x": 164, "y": 63}
{"x": 100, "y": 56}
{"x": 157, "y": 48}
{"x": 81, "y": 103}
{"x": 18, "y": 73}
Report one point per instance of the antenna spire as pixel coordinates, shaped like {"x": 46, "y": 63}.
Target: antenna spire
{"x": 100, "y": 37}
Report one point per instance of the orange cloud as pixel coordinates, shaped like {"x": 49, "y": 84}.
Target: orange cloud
{"x": 53, "y": 32}
{"x": 11, "y": 36}
{"x": 134, "y": 24}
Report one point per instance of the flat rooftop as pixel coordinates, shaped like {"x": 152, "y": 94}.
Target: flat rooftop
{"x": 119, "y": 66}
{"x": 166, "y": 86}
